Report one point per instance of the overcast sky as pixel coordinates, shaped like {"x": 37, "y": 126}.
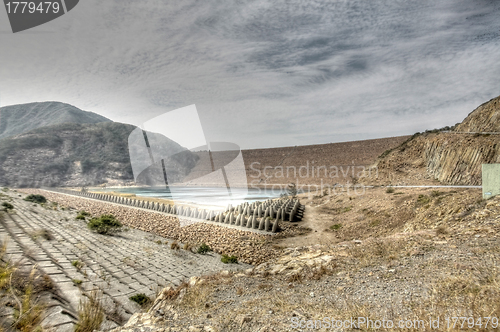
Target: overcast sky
{"x": 264, "y": 73}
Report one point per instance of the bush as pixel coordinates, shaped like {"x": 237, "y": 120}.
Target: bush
{"x": 389, "y": 190}
{"x": 45, "y": 234}
{"x": 79, "y": 265}
{"x": 422, "y": 200}
{"x": 7, "y": 206}
{"x": 204, "y": 248}
{"x": 36, "y": 199}
{"x": 229, "y": 259}
{"x": 335, "y": 227}
{"x": 140, "y": 299}
{"x": 436, "y": 193}
{"x": 82, "y": 215}
{"x": 175, "y": 246}
{"x": 105, "y": 224}
{"x": 346, "y": 209}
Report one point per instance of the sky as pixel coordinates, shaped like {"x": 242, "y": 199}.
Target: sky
{"x": 264, "y": 73}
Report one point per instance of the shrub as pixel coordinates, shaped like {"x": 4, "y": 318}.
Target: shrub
{"x": 77, "y": 264}
{"x": 36, "y": 198}
{"x": 422, "y": 200}
{"x": 105, "y": 224}
{"x": 347, "y": 208}
{"x": 7, "y": 206}
{"x": 45, "y": 234}
{"x": 140, "y": 299}
{"x": 335, "y": 227}
{"x": 204, "y": 248}
{"x": 229, "y": 259}
{"x": 435, "y": 193}
{"x": 175, "y": 246}
{"x": 389, "y": 190}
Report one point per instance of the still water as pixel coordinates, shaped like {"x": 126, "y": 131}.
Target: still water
{"x": 206, "y": 196}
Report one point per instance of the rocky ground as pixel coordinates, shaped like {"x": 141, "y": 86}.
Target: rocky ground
{"x": 439, "y": 260}
{"x": 401, "y": 255}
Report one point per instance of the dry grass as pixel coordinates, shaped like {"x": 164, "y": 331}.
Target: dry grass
{"x": 22, "y": 289}
{"x": 295, "y": 278}
{"x": 380, "y": 250}
{"x": 43, "y": 234}
{"x": 6, "y": 268}
{"x": 442, "y": 230}
{"x": 90, "y": 313}
{"x": 264, "y": 286}
{"x": 29, "y": 313}
{"x": 172, "y": 293}
{"x": 197, "y": 296}
{"x": 321, "y": 271}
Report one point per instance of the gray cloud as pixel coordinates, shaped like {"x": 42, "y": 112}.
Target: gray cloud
{"x": 265, "y": 73}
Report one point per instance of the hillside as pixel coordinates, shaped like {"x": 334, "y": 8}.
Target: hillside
{"x": 448, "y": 157}
{"x": 76, "y": 155}
{"x": 17, "y": 119}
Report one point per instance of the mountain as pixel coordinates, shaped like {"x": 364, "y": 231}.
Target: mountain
{"x": 72, "y": 154}
{"x": 18, "y": 119}
{"x": 448, "y": 157}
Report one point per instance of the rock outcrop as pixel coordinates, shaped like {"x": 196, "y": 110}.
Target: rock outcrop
{"x": 485, "y": 118}
{"x": 453, "y": 157}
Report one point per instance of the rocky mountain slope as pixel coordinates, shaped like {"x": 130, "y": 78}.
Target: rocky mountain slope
{"x": 449, "y": 157}
{"x": 77, "y": 155}
{"x": 17, "y": 119}
{"x": 401, "y": 256}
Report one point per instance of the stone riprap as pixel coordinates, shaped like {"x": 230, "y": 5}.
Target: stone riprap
{"x": 267, "y": 214}
{"x": 247, "y": 245}
{"x": 80, "y": 261}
